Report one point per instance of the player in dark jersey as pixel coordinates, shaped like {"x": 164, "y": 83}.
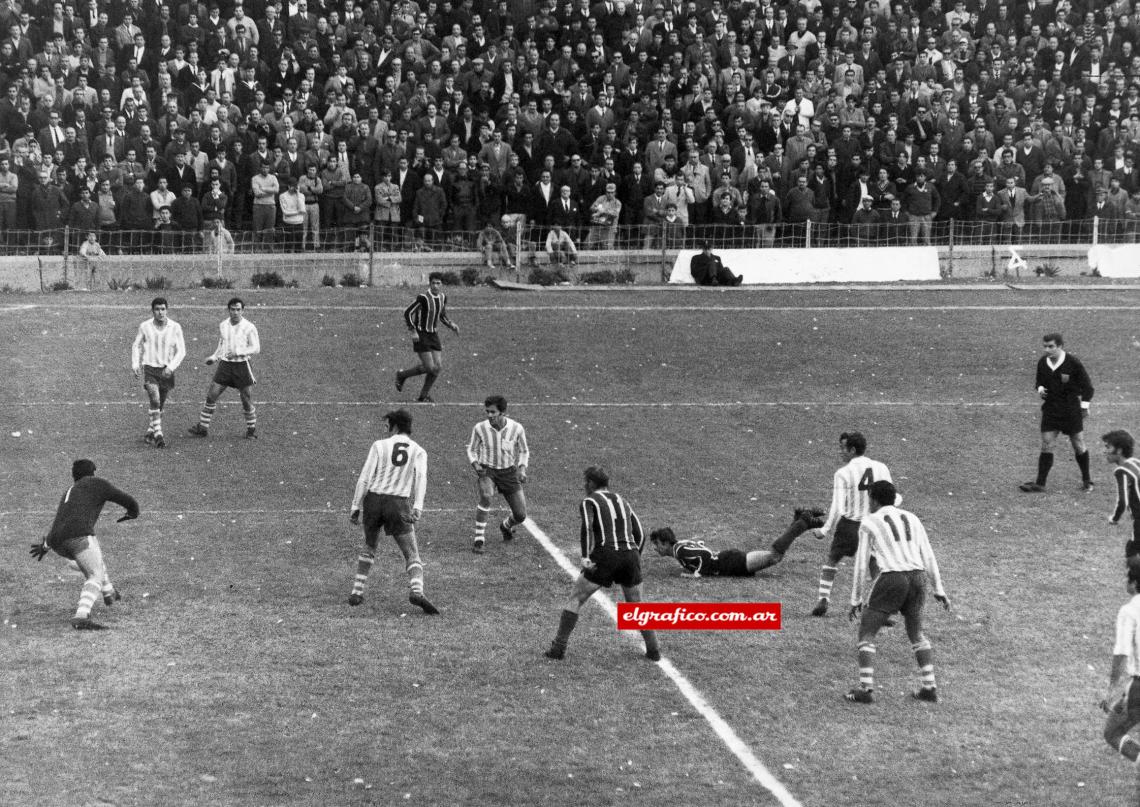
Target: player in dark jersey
{"x": 1118, "y": 448}
{"x": 612, "y": 541}
{"x": 1064, "y": 386}
{"x": 701, "y": 561}
{"x": 423, "y": 318}
{"x": 72, "y": 536}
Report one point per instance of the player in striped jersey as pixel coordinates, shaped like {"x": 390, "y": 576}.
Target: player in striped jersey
{"x": 72, "y": 535}
{"x": 237, "y": 342}
{"x": 1118, "y": 448}
{"x": 849, "y": 504}
{"x": 157, "y": 351}
{"x": 894, "y": 542}
{"x": 499, "y": 454}
{"x": 423, "y": 318}
{"x": 390, "y": 493}
{"x": 701, "y": 561}
{"x": 612, "y": 541}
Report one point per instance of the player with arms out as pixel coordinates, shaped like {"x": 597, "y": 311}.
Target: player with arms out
{"x": 612, "y": 541}
{"x": 1118, "y": 448}
{"x": 157, "y": 351}
{"x": 849, "y": 504}
{"x": 72, "y": 536}
{"x": 893, "y": 541}
{"x": 1066, "y": 390}
{"x": 700, "y": 561}
{"x": 390, "y": 494}
{"x": 423, "y": 318}
{"x": 236, "y": 344}
{"x": 499, "y": 454}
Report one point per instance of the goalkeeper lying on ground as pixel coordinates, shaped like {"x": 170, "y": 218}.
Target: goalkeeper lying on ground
{"x": 699, "y": 560}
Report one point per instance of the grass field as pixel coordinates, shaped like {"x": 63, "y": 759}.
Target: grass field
{"x": 234, "y": 672}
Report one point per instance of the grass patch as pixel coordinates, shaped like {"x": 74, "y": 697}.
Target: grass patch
{"x": 607, "y": 277}
{"x": 217, "y": 283}
{"x": 158, "y": 283}
{"x": 328, "y": 280}
{"x": 267, "y": 280}
{"x": 61, "y": 285}
{"x": 548, "y": 276}
{"x": 351, "y": 280}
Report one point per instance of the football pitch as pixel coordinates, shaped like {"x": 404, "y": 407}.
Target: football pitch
{"x": 235, "y": 673}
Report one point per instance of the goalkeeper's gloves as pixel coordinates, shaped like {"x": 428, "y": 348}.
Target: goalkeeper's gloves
{"x": 39, "y": 550}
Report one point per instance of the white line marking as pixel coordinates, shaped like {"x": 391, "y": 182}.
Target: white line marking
{"x": 254, "y": 512}
{"x": 615, "y": 404}
{"x": 721, "y": 728}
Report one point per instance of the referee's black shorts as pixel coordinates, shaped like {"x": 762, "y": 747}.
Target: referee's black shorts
{"x": 614, "y": 566}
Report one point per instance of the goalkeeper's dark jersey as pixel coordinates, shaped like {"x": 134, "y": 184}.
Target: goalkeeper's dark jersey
{"x": 696, "y": 558}
{"x": 80, "y": 507}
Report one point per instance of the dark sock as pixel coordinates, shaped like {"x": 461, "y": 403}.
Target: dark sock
{"x": 429, "y": 380}
{"x": 650, "y": 637}
{"x": 1083, "y": 464}
{"x": 566, "y": 624}
{"x": 794, "y": 531}
{"x": 1044, "y": 463}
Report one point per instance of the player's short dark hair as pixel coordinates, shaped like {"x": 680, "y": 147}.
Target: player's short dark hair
{"x": 883, "y": 492}
{"x": 435, "y": 276}
{"x": 158, "y": 301}
{"x": 497, "y": 401}
{"x": 854, "y": 440}
{"x": 1133, "y": 564}
{"x": 1056, "y": 338}
{"x": 82, "y": 468}
{"x": 1119, "y": 440}
{"x": 597, "y": 474}
{"x": 664, "y": 535}
{"x": 401, "y": 419}
{"x": 235, "y": 301}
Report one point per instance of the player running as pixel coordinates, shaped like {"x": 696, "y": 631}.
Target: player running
{"x": 72, "y": 536}
{"x": 499, "y": 454}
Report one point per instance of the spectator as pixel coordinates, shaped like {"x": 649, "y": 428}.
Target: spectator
{"x": 292, "y": 203}
{"x": 428, "y": 212}
{"x": 312, "y": 189}
{"x": 265, "y": 189}
{"x": 559, "y": 246}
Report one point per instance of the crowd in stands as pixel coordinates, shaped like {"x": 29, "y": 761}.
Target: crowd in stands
{"x": 303, "y": 121}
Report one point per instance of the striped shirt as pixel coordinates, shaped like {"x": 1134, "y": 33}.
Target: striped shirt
{"x": 396, "y": 466}
{"x": 427, "y": 311}
{"x": 239, "y": 340}
{"x": 849, "y": 497}
{"x": 158, "y": 347}
{"x": 1128, "y": 634}
{"x": 897, "y": 541}
{"x": 1127, "y": 488}
{"x": 499, "y": 448}
{"x": 609, "y": 523}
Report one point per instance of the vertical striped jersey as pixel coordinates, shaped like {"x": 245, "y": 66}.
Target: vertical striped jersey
{"x": 849, "y": 496}
{"x": 897, "y": 541}
{"x": 427, "y": 311}
{"x": 608, "y": 522}
{"x": 1128, "y": 634}
{"x": 240, "y": 340}
{"x": 1127, "y": 478}
{"x": 158, "y": 347}
{"x": 499, "y": 448}
{"x": 396, "y": 466}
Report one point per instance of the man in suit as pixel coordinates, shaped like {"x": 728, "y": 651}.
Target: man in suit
{"x": 564, "y": 209}
{"x": 895, "y": 222}
{"x": 52, "y": 136}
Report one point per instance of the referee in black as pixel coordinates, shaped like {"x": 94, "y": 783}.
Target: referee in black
{"x": 1065, "y": 389}
{"x": 612, "y": 541}
{"x": 423, "y": 318}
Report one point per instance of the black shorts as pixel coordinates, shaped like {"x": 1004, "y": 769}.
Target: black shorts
{"x": 1132, "y": 547}
{"x": 846, "y": 539}
{"x": 732, "y": 563}
{"x": 427, "y": 342}
{"x": 614, "y": 566}
{"x": 390, "y": 513}
{"x": 236, "y": 374}
{"x": 70, "y": 547}
{"x": 506, "y": 480}
{"x": 1067, "y": 423}
{"x": 904, "y": 592}
{"x": 153, "y": 375}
